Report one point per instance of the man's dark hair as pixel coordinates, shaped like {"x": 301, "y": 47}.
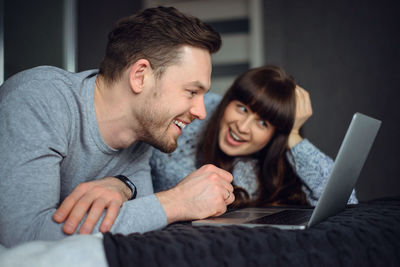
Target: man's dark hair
{"x": 155, "y": 34}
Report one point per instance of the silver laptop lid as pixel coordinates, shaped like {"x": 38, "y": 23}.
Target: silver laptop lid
{"x": 348, "y": 164}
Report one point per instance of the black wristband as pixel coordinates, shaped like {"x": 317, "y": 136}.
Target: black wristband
{"x": 129, "y": 184}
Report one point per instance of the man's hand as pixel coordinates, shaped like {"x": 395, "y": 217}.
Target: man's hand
{"x": 204, "y": 193}
{"x": 303, "y": 112}
{"x": 93, "y": 198}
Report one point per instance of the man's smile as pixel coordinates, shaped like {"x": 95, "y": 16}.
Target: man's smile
{"x": 180, "y": 124}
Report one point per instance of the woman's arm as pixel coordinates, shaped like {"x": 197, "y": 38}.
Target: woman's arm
{"x": 314, "y": 168}
{"x": 312, "y": 165}
{"x": 303, "y": 112}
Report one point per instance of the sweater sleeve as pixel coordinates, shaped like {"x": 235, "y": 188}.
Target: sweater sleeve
{"x": 30, "y": 164}
{"x": 314, "y": 167}
{"x": 145, "y": 213}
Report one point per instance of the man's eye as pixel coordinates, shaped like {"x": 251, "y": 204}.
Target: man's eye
{"x": 192, "y": 93}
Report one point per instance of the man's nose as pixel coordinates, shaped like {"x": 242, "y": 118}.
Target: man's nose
{"x": 199, "y": 109}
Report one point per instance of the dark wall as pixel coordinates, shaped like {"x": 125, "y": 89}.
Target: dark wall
{"x": 95, "y": 19}
{"x": 346, "y": 54}
{"x": 32, "y": 34}
{"x": 33, "y": 31}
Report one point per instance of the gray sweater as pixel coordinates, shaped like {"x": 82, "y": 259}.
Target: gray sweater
{"x": 49, "y": 143}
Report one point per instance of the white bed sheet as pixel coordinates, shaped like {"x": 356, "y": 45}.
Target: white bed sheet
{"x": 77, "y": 250}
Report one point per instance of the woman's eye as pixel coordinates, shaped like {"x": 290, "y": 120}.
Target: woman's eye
{"x": 242, "y": 108}
{"x": 263, "y": 124}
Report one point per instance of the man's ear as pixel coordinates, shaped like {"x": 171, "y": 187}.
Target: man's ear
{"x": 138, "y": 74}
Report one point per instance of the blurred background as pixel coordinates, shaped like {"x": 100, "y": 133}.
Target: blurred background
{"x": 346, "y": 53}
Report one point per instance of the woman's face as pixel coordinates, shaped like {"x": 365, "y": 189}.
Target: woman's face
{"x": 242, "y": 132}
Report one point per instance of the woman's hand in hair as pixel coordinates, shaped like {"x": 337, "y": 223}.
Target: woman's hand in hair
{"x": 303, "y": 112}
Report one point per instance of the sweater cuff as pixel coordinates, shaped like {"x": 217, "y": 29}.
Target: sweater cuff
{"x": 302, "y": 147}
{"x": 140, "y": 215}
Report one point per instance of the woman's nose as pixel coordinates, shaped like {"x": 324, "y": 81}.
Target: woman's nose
{"x": 244, "y": 125}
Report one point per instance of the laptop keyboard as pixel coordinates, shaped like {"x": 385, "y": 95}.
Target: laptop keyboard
{"x": 285, "y": 217}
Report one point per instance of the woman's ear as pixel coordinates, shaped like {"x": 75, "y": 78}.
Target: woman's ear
{"x": 139, "y": 74}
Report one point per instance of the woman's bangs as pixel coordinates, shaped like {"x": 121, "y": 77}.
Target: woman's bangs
{"x": 277, "y": 111}
{"x": 274, "y": 106}
{"x": 270, "y": 94}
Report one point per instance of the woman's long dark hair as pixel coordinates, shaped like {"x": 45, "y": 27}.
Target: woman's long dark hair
{"x": 269, "y": 92}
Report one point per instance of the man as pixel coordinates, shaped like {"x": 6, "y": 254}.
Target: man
{"x": 74, "y": 145}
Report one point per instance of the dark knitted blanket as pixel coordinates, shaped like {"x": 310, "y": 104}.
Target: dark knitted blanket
{"x": 367, "y": 234}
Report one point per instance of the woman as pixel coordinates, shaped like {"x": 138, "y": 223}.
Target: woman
{"x": 253, "y": 132}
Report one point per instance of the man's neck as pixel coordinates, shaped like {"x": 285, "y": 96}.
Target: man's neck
{"x": 112, "y": 113}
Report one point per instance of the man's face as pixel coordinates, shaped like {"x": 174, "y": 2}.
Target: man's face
{"x": 176, "y": 99}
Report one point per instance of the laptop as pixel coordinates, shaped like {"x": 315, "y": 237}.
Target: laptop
{"x": 348, "y": 164}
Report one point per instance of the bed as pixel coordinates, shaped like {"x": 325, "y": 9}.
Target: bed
{"x": 367, "y": 234}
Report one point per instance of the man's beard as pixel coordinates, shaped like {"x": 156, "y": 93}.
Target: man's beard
{"x": 154, "y": 129}
{"x": 161, "y": 143}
